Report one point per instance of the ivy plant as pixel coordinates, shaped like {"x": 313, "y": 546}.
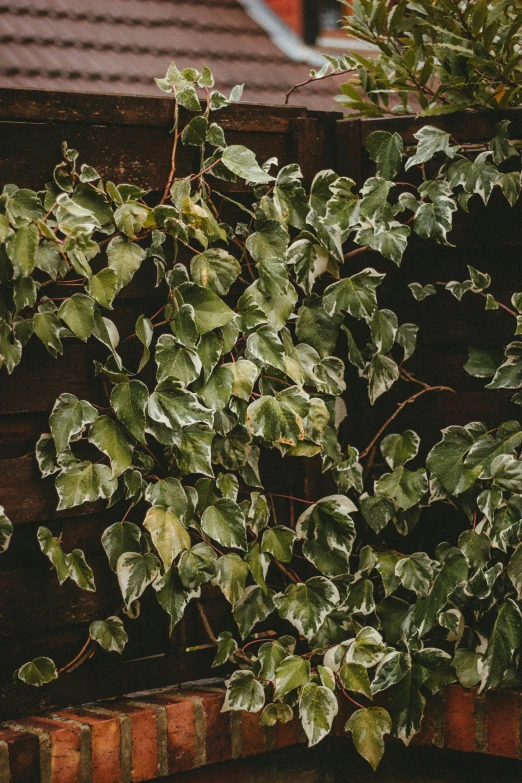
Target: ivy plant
{"x": 258, "y": 337}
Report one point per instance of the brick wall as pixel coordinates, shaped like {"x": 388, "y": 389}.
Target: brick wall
{"x": 157, "y": 734}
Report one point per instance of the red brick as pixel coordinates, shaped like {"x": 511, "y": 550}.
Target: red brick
{"x": 426, "y": 735}
{"x": 286, "y": 734}
{"x": 105, "y": 743}
{"x": 502, "y": 723}
{"x": 253, "y": 737}
{"x": 218, "y": 740}
{"x": 181, "y": 730}
{"x": 24, "y": 755}
{"x": 64, "y": 740}
{"x": 144, "y": 729}
{"x": 459, "y": 719}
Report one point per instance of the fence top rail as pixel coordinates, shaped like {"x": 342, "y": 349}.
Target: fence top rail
{"x": 22, "y": 105}
{"x": 465, "y": 126}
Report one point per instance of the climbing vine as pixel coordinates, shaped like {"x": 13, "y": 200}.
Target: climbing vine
{"x": 249, "y": 352}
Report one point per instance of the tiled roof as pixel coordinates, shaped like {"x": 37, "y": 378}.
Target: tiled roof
{"x": 119, "y": 46}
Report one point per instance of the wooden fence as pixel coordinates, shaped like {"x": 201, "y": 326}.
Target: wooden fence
{"x": 128, "y": 140}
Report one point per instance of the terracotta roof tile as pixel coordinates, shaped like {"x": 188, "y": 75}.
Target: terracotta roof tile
{"x": 121, "y": 45}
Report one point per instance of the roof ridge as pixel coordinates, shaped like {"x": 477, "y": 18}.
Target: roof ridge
{"x": 133, "y": 21}
{"x": 110, "y": 46}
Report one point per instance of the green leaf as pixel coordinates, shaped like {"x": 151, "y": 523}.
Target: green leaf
{"x": 244, "y": 692}
{"x": 110, "y": 437}
{"x": 448, "y": 458}
{"x": 135, "y": 572}
{"x": 231, "y": 576}
{"x": 405, "y": 487}
{"x": 245, "y": 374}
{"x": 420, "y": 292}
{"x": 120, "y": 538}
{"x": 309, "y": 260}
{"x": 176, "y": 361}
{"x": 170, "y": 494}
{"x": 291, "y": 673}
{"x": 434, "y": 220}
{"x": 83, "y": 482}
{"x": 242, "y": 161}
{"x": 172, "y": 596}
{"x": 382, "y": 374}
{"x": 483, "y": 362}
{"x": 22, "y": 249}
{"x": 377, "y": 511}
{"x": 175, "y": 407}
{"x": 125, "y": 258}
{"x": 51, "y": 547}
{"x": 354, "y": 677}
{"x": 225, "y": 523}
{"x": 195, "y": 448}
{"x": 68, "y": 418}
{"x": 10, "y": 352}
{"x": 103, "y": 287}
{"x": 390, "y": 670}
{"x": 265, "y": 346}
{"x": 78, "y": 314}
{"x": 80, "y": 571}
{"x": 431, "y": 140}
{"x": 253, "y": 607}
{"x": 168, "y": 534}
{"x": 368, "y": 727}
{"x": 227, "y": 646}
{"x": 385, "y": 149}
{"x": 276, "y": 713}
{"x": 197, "y": 566}
{"x": 209, "y": 310}
{"x": 416, "y": 572}
{"x": 329, "y": 532}
{"x": 509, "y": 374}
{"x": 466, "y": 663}
{"x": 384, "y": 326}
{"x": 307, "y": 604}
{"x": 397, "y": 450}
{"x": 37, "y": 672}
{"x": 505, "y": 639}
{"x": 215, "y": 269}
{"x": 475, "y": 547}
{"x": 110, "y": 634}
{"x": 6, "y": 531}
{"x": 270, "y": 655}
{"x": 195, "y": 132}
{"x": 279, "y": 542}
{"x": 47, "y": 328}
{"x": 514, "y": 570}
{"x": 406, "y": 703}
{"x": 367, "y": 649}
{"x": 317, "y": 709}
{"x": 218, "y": 389}
{"x": 453, "y": 572}
{"x": 355, "y": 295}
{"x": 129, "y": 401}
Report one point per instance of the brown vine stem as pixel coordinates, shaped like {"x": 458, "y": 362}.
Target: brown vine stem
{"x": 356, "y": 252}
{"x": 287, "y": 573}
{"x": 173, "y": 155}
{"x": 291, "y": 497}
{"x": 400, "y": 407}
{"x": 208, "y": 629}
{"x": 77, "y": 661}
{"x": 485, "y": 296}
{"x": 314, "y": 79}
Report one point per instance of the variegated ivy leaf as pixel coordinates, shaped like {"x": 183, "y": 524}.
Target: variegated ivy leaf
{"x": 317, "y": 710}
{"x": 368, "y": 727}
{"x": 168, "y": 534}
{"x": 385, "y": 149}
{"x": 258, "y": 514}
{"x": 406, "y": 703}
{"x": 355, "y": 295}
{"x": 215, "y": 269}
{"x": 279, "y": 419}
{"x": 110, "y": 437}
{"x": 416, "y": 572}
{"x": 253, "y": 607}
{"x": 210, "y": 311}
{"x": 6, "y": 531}
{"x": 390, "y": 670}
{"x": 78, "y": 313}
{"x": 125, "y": 258}
{"x": 276, "y": 713}
{"x": 83, "y": 482}
{"x": 448, "y": 458}
{"x": 231, "y": 576}
{"x": 405, "y": 487}
{"x": 226, "y": 647}
{"x": 110, "y": 634}
{"x": 509, "y": 374}
{"x": 197, "y": 566}
{"x": 367, "y": 649}
{"x": 193, "y": 454}
{"x": 51, "y": 547}
{"x": 475, "y": 547}
{"x": 225, "y": 523}
{"x": 382, "y": 374}
{"x": 120, "y": 538}
{"x": 397, "y": 449}
{"x": 291, "y": 673}
{"x": 135, "y": 572}
{"x": 244, "y": 692}
{"x": 505, "y": 639}
{"x": 176, "y": 361}
{"x": 79, "y": 570}
{"x": 307, "y": 604}
{"x": 483, "y": 362}
{"x": 329, "y": 533}
{"x": 170, "y": 404}
{"x": 420, "y": 292}
{"x": 430, "y": 141}
{"x": 172, "y": 595}
{"x": 454, "y": 571}
{"x": 129, "y": 400}
{"x": 265, "y": 346}
{"x": 68, "y": 419}
{"x": 309, "y": 260}
{"x": 384, "y": 325}
{"x": 354, "y": 677}
{"x": 242, "y": 161}
{"x": 37, "y": 672}
{"x": 279, "y": 542}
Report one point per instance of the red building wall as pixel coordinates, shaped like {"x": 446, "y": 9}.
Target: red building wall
{"x": 290, "y": 11}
